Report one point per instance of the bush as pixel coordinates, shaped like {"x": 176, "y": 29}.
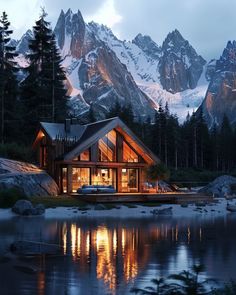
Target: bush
{"x": 18, "y": 152}
{"x": 8, "y": 197}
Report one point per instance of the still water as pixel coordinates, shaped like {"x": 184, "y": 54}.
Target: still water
{"x": 110, "y": 256}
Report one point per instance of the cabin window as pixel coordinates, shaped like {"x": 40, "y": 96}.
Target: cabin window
{"x": 107, "y": 147}
{"x": 85, "y": 156}
{"x": 80, "y": 177}
{"x": 129, "y": 180}
{"x": 104, "y": 176}
{"x": 129, "y": 154}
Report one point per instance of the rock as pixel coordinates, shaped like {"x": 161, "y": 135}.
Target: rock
{"x": 99, "y": 207}
{"x": 40, "y": 209}
{"x": 221, "y": 186}
{"x": 22, "y": 207}
{"x": 165, "y": 211}
{"x": 25, "y": 208}
{"x": 27, "y": 178}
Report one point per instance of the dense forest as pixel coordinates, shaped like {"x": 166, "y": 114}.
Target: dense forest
{"x": 37, "y": 93}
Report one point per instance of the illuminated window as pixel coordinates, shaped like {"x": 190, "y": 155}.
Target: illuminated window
{"x": 80, "y": 177}
{"x": 107, "y": 147}
{"x": 85, "y": 156}
{"x": 128, "y": 153}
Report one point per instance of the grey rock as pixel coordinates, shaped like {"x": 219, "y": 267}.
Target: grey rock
{"x": 27, "y": 178}
{"x": 22, "y": 207}
{"x": 220, "y": 187}
{"x": 99, "y": 207}
{"x": 40, "y": 209}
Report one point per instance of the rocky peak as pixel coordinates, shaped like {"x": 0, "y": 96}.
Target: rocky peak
{"x": 180, "y": 66}
{"x": 227, "y": 61}
{"x": 23, "y": 44}
{"x": 147, "y": 45}
{"x": 220, "y": 98}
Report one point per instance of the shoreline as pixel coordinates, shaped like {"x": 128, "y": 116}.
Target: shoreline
{"x": 137, "y": 211}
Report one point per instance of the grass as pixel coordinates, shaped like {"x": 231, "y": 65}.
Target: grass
{"x": 59, "y": 201}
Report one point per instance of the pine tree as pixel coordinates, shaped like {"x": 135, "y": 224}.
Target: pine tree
{"x": 43, "y": 92}
{"x": 8, "y": 81}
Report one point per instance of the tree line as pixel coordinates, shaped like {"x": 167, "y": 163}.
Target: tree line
{"x": 188, "y": 145}
{"x": 40, "y": 95}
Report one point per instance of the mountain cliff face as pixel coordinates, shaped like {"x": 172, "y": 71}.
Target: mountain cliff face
{"x": 96, "y": 77}
{"x": 101, "y": 69}
{"x": 180, "y": 65}
{"x": 221, "y": 94}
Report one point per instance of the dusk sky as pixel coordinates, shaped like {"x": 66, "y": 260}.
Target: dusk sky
{"x": 207, "y": 24}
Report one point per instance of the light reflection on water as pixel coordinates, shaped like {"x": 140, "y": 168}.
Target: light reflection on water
{"x": 110, "y": 256}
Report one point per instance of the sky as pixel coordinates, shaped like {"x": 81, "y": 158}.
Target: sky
{"x": 206, "y": 24}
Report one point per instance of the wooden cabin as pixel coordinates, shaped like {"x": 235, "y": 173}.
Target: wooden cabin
{"x": 102, "y": 153}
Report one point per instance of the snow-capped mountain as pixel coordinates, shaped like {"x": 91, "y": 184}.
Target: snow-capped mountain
{"x": 221, "y": 95}
{"x": 150, "y": 65}
{"x": 101, "y": 69}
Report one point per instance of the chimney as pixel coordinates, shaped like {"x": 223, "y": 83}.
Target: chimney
{"x": 67, "y": 125}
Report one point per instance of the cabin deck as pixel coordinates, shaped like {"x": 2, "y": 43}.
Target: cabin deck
{"x": 143, "y": 197}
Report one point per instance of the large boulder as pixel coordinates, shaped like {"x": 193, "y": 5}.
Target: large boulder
{"x": 220, "y": 187}
{"x": 25, "y": 207}
{"x": 27, "y": 178}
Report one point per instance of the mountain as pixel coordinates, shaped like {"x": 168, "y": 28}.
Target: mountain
{"x": 180, "y": 66}
{"x": 220, "y": 98}
{"x": 96, "y": 77}
{"x": 101, "y": 69}
{"x": 143, "y": 56}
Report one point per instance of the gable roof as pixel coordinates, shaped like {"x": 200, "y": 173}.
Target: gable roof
{"x": 87, "y": 135}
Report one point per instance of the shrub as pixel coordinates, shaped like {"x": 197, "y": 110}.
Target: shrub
{"x": 8, "y": 197}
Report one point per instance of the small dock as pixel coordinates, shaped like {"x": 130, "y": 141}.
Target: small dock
{"x": 173, "y": 198}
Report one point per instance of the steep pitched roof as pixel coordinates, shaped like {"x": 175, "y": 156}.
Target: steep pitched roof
{"x": 87, "y": 135}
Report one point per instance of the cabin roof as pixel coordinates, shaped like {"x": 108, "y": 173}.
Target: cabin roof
{"x": 86, "y": 135}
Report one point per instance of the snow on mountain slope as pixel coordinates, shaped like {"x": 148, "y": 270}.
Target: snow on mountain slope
{"x": 144, "y": 67}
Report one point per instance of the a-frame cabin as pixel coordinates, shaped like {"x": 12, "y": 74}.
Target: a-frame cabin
{"x": 102, "y": 153}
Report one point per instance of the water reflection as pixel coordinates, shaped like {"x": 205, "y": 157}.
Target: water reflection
{"x": 110, "y": 256}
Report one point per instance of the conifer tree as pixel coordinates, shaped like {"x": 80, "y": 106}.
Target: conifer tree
{"x": 8, "y": 81}
{"x": 43, "y": 92}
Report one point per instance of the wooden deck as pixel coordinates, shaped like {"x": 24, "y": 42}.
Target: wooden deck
{"x": 173, "y": 198}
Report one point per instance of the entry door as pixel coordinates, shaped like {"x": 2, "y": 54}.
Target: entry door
{"x": 129, "y": 180}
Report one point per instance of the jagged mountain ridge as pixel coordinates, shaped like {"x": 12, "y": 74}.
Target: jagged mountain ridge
{"x": 102, "y": 69}
{"x": 96, "y": 77}
{"x": 220, "y": 98}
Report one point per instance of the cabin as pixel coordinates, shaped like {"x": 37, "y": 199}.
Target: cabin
{"x": 105, "y": 153}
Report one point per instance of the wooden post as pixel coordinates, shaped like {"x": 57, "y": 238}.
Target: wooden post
{"x": 69, "y": 179}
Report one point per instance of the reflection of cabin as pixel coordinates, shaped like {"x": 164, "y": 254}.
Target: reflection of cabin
{"x": 104, "y": 153}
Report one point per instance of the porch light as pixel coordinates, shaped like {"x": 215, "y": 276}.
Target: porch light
{"x": 124, "y": 170}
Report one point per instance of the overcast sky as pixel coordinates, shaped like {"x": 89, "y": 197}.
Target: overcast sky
{"x": 207, "y": 24}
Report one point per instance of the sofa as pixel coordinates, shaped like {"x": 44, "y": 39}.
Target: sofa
{"x": 96, "y": 189}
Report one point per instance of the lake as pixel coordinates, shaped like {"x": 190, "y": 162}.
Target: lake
{"x": 111, "y": 255}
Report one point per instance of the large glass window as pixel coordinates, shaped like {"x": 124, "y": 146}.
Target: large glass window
{"x": 129, "y": 180}
{"x": 129, "y": 154}
{"x": 80, "y": 177}
{"x": 104, "y": 176}
{"x": 107, "y": 147}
